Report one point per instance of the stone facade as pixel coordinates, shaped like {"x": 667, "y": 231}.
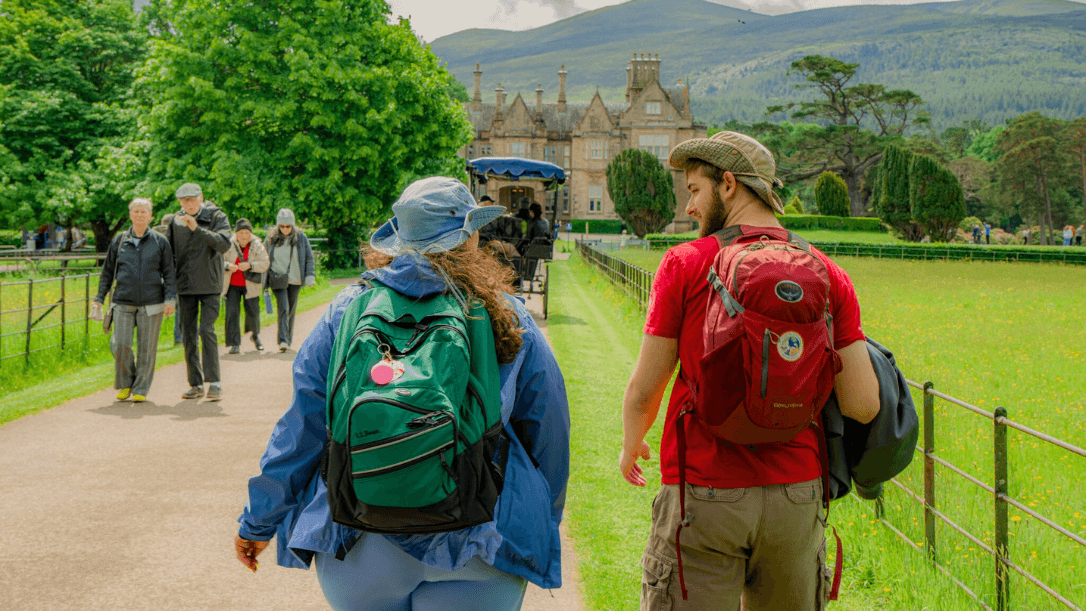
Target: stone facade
{"x": 583, "y": 139}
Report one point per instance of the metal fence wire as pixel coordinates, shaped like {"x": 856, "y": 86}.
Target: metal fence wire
{"x": 71, "y": 302}
{"x": 637, "y": 283}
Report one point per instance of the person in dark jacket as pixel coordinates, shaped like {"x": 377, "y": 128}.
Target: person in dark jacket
{"x": 140, "y": 262}
{"x": 199, "y": 235}
{"x": 290, "y": 254}
{"x": 164, "y": 228}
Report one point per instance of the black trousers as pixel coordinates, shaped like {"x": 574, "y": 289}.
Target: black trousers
{"x": 198, "y": 314}
{"x": 235, "y": 297}
{"x": 286, "y": 305}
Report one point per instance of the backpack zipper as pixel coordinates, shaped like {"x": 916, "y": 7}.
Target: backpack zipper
{"x": 403, "y": 465}
{"x": 429, "y": 421}
{"x": 765, "y": 361}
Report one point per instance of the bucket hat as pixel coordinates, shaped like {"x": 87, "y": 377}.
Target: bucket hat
{"x": 746, "y": 158}
{"x": 432, "y": 215}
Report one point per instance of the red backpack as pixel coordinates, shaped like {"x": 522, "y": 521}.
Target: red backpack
{"x": 768, "y": 367}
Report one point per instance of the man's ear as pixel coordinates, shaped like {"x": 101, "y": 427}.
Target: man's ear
{"x": 727, "y": 186}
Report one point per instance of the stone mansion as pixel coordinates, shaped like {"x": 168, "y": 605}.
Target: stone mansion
{"x": 583, "y": 139}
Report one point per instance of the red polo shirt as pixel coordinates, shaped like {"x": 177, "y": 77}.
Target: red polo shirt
{"x": 677, "y": 311}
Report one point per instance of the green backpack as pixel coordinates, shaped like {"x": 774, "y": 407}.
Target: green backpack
{"x": 415, "y": 442}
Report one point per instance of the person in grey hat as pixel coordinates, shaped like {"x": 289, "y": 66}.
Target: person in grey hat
{"x": 246, "y": 262}
{"x": 755, "y": 532}
{"x": 199, "y": 235}
{"x": 292, "y": 267}
{"x": 429, "y": 247}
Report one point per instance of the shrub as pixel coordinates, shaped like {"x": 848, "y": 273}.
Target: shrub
{"x": 642, "y": 190}
{"x": 892, "y": 204}
{"x": 812, "y": 221}
{"x": 795, "y": 206}
{"x": 967, "y": 223}
{"x": 831, "y": 195}
{"x": 596, "y": 225}
{"x": 935, "y": 195}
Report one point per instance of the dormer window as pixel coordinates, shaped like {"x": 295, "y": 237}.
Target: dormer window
{"x": 652, "y": 108}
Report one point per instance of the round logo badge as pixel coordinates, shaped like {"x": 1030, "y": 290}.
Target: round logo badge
{"x": 790, "y": 346}
{"x": 789, "y": 291}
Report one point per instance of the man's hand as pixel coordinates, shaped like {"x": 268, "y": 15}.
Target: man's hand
{"x": 247, "y": 551}
{"x": 96, "y": 311}
{"x": 627, "y": 464}
{"x": 168, "y": 311}
{"x": 188, "y": 221}
{"x": 230, "y": 267}
{"x": 244, "y": 266}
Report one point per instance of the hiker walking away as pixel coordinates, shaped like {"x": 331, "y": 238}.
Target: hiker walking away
{"x": 987, "y": 233}
{"x": 140, "y": 263}
{"x": 976, "y": 234}
{"x": 1068, "y": 234}
{"x": 425, "y": 260}
{"x": 1079, "y": 233}
{"x": 291, "y": 267}
{"x": 751, "y": 512}
{"x": 246, "y": 262}
{"x": 199, "y": 235}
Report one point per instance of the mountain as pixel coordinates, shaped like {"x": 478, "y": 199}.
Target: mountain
{"x": 972, "y": 59}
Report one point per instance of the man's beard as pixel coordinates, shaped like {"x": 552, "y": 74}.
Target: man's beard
{"x": 715, "y": 219}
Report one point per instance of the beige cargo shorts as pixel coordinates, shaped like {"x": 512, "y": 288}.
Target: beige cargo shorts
{"x": 763, "y": 548}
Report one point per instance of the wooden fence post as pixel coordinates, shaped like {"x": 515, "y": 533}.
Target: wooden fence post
{"x": 1003, "y": 578}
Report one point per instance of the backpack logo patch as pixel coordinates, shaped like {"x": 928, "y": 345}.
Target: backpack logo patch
{"x": 789, "y": 291}
{"x": 790, "y": 346}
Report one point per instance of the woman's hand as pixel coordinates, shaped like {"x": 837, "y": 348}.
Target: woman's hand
{"x": 247, "y": 551}
{"x": 244, "y": 266}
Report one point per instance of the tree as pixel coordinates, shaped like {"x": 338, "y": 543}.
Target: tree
{"x": 1031, "y": 164}
{"x": 831, "y": 195}
{"x": 1073, "y": 137}
{"x": 893, "y": 205}
{"x": 642, "y": 190}
{"x": 66, "y": 70}
{"x": 935, "y": 197}
{"x": 854, "y": 124}
{"x": 323, "y": 107}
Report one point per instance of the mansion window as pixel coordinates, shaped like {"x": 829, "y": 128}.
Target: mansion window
{"x": 655, "y": 144}
{"x": 565, "y": 200}
{"x": 566, "y": 164}
{"x": 597, "y": 149}
{"x": 516, "y": 149}
{"x": 484, "y": 150}
{"x": 652, "y": 108}
{"x": 595, "y": 198}
{"x": 550, "y": 154}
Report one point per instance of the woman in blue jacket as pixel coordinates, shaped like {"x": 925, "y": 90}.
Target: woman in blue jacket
{"x": 482, "y": 567}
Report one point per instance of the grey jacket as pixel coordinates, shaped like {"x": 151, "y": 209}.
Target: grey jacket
{"x": 142, "y": 270}
{"x": 303, "y": 252}
{"x": 867, "y": 455}
{"x": 198, "y": 254}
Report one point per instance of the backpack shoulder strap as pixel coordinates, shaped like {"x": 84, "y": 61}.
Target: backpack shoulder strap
{"x": 727, "y": 235}
{"x": 798, "y": 241}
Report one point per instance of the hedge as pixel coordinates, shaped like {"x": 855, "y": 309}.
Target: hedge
{"x": 614, "y": 226}
{"x": 817, "y": 221}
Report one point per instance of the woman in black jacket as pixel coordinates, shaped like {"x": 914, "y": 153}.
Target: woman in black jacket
{"x": 140, "y": 263}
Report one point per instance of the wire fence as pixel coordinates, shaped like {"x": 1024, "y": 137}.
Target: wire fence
{"x": 917, "y": 252}
{"x": 45, "y": 314}
{"x": 636, "y": 283}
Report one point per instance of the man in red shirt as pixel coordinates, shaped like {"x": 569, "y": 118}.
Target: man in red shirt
{"x": 755, "y": 531}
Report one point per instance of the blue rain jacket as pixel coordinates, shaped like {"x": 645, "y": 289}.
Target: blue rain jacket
{"x": 289, "y": 500}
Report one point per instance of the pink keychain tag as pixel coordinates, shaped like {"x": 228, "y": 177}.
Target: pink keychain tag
{"x": 382, "y": 373}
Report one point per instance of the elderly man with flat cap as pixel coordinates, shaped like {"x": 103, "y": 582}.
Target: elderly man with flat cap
{"x": 200, "y": 234}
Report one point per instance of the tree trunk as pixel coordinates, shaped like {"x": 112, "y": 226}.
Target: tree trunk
{"x": 1082, "y": 159}
{"x": 857, "y": 204}
{"x": 103, "y": 235}
{"x": 1048, "y": 204}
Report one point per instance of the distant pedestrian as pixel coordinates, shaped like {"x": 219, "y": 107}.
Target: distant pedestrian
{"x": 246, "y": 262}
{"x": 1068, "y": 234}
{"x": 976, "y": 234}
{"x": 163, "y": 228}
{"x": 291, "y": 267}
{"x": 987, "y": 233}
{"x": 199, "y": 234}
{"x": 1079, "y": 233}
{"x": 140, "y": 263}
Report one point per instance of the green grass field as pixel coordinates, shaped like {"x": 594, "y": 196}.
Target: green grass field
{"x": 990, "y": 334}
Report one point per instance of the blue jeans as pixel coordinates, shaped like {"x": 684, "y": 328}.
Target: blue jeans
{"x": 379, "y": 576}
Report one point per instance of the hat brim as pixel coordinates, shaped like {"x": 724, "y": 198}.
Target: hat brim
{"x": 387, "y": 239}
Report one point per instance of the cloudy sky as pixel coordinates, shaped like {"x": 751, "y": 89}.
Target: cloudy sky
{"x": 433, "y": 19}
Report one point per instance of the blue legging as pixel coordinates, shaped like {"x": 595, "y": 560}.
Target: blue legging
{"x": 378, "y": 576}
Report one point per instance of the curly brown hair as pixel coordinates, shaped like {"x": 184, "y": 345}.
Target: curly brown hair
{"x": 483, "y": 278}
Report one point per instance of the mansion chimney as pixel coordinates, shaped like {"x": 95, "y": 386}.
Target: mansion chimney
{"x": 499, "y": 99}
{"x": 562, "y": 88}
{"x": 477, "y": 99}
{"x": 539, "y": 100}
{"x": 640, "y": 73}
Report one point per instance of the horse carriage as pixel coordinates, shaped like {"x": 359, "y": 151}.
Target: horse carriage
{"x": 527, "y": 257}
